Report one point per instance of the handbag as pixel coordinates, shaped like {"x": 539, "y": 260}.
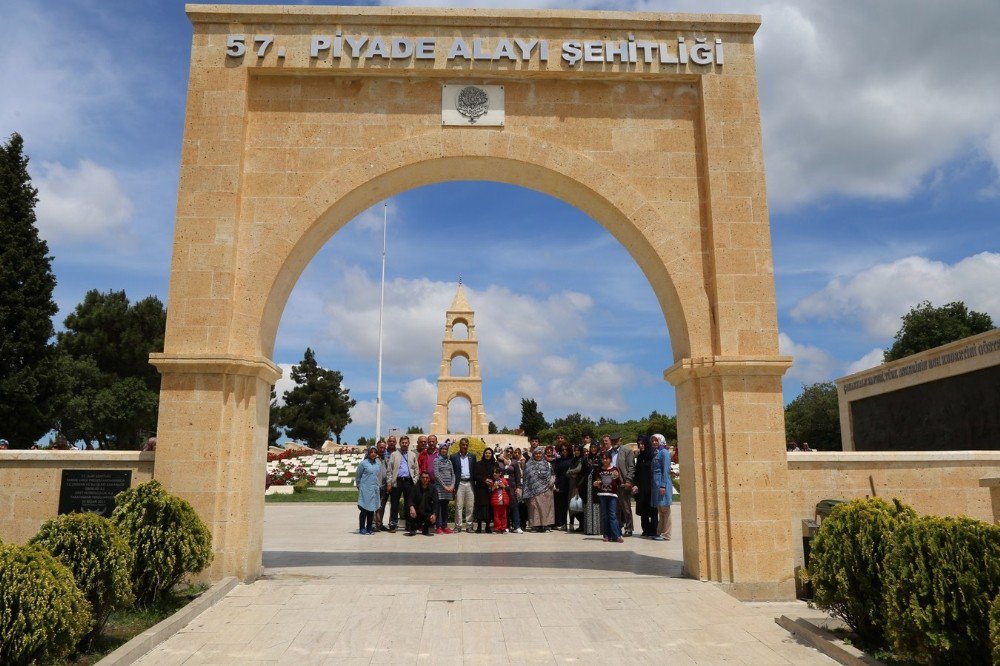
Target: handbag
{"x": 576, "y": 504}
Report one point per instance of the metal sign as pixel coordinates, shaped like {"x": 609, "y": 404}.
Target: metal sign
{"x": 472, "y": 105}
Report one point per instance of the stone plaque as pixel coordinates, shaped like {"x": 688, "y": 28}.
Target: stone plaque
{"x": 472, "y": 105}
{"x": 92, "y": 490}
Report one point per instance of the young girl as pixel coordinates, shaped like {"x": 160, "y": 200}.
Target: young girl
{"x": 500, "y": 500}
{"x": 607, "y": 481}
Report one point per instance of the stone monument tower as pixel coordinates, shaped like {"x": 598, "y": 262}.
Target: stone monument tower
{"x": 449, "y": 386}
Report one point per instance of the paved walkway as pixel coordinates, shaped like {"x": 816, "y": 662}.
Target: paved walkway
{"x": 331, "y": 596}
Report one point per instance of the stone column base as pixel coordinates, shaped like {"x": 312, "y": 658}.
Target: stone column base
{"x": 212, "y": 450}
{"x": 736, "y": 523}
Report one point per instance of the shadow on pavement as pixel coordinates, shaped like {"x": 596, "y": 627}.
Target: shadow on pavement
{"x": 622, "y": 561}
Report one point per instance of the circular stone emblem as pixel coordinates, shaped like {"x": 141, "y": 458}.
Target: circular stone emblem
{"x": 473, "y": 102}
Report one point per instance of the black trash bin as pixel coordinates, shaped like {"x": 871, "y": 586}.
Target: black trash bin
{"x": 825, "y": 507}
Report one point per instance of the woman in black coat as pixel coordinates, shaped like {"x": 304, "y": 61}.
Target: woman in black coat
{"x": 591, "y": 507}
{"x": 561, "y": 467}
{"x": 482, "y": 511}
{"x": 644, "y": 483}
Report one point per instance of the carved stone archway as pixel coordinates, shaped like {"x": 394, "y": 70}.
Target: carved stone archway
{"x": 285, "y": 142}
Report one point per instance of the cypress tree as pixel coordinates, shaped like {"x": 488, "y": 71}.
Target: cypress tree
{"x": 27, "y": 371}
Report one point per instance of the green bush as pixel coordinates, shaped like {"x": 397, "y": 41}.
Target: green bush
{"x": 995, "y": 629}
{"x": 941, "y": 576}
{"x": 300, "y": 486}
{"x": 43, "y": 615}
{"x": 167, "y": 537}
{"x": 847, "y": 563}
{"x": 90, "y": 546}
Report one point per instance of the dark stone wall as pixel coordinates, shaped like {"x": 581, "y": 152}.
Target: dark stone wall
{"x": 951, "y": 414}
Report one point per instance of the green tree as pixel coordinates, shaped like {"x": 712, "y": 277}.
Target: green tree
{"x": 574, "y": 426}
{"x": 318, "y": 404}
{"x": 414, "y": 430}
{"x": 118, "y": 335}
{"x": 113, "y": 392}
{"x": 532, "y": 420}
{"x": 29, "y": 381}
{"x": 662, "y": 424}
{"x": 814, "y": 417}
{"x": 492, "y": 428}
{"x": 925, "y": 327}
{"x": 273, "y": 429}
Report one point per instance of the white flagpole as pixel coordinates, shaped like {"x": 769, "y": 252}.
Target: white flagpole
{"x": 381, "y": 308}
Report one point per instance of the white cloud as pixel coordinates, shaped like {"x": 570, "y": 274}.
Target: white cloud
{"x": 372, "y": 219}
{"x": 869, "y": 360}
{"x": 877, "y": 297}
{"x": 811, "y": 365}
{"x": 284, "y": 383}
{"x": 420, "y": 397}
{"x": 513, "y": 328}
{"x": 560, "y": 387}
{"x": 53, "y": 94}
{"x": 82, "y": 203}
{"x": 363, "y": 413}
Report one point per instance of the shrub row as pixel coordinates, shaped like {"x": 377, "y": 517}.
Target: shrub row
{"x": 57, "y": 592}
{"x": 921, "y": 586}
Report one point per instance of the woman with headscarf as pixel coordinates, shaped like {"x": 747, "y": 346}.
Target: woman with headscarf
{"x": 539, "y": 480}
{"x": 591, "y": 507}
{"x": 661, "y": 488}
{"x": 576, "y": 470}
{"x": 369, "y": 478}
{"x": 483, "y": 474}
{"x": 444, "y": 479}
{"x": 561, "y": 467}
{"x": 642, "y": 483}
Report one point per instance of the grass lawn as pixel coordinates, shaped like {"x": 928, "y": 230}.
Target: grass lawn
{"x": 313, "y": 495}
{"x": 126, "y": 624}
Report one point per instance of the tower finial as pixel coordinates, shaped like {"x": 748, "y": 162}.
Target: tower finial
{"x": 459, "y": 279}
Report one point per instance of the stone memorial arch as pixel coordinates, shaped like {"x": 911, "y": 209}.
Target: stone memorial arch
{"x": 299, "y": 118}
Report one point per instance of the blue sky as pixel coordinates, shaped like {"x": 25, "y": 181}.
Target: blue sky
{"x": 882, "y": 145}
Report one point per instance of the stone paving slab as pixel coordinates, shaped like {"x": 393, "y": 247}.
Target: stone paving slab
{"x": 331, "y": 596}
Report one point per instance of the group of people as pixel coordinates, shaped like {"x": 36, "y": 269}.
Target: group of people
{"x": 507, "y": 491}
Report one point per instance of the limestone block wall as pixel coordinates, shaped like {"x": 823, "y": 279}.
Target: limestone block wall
{"x": 944, "y": 483}
{"x": 30, "y": 480}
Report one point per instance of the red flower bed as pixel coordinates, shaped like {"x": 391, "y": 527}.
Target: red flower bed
{"x": 286, "y": 475}
{"x": 288, "y": 454}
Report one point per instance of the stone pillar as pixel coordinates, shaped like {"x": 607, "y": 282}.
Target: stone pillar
{"x": 736, "y": 523}
{"x": 212, "y": 449}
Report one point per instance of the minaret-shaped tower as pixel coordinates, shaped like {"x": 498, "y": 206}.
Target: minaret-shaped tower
{"x": 449, "y": 386}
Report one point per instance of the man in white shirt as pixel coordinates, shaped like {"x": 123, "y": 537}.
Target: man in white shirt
{"x": 464, "y": 464}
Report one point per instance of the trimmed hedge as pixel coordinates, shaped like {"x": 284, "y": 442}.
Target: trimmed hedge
{"x": 942, "y": 574}
{"x": 90, "y": 546}
{"x": 43, "y": 615}
{"x": 168, "y": 539}
{"x": 847, "y": 563}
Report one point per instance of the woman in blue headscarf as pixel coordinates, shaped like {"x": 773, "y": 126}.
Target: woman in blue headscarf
{"x": 369, "y": 479}
{"x": 662, "y": 488}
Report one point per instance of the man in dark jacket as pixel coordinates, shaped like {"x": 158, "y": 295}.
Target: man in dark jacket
{"x": 464, "y": 464}
{"x": 423, "y": 506}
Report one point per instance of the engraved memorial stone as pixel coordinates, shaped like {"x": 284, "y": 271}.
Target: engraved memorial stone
{"x": 92, "y": 490}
